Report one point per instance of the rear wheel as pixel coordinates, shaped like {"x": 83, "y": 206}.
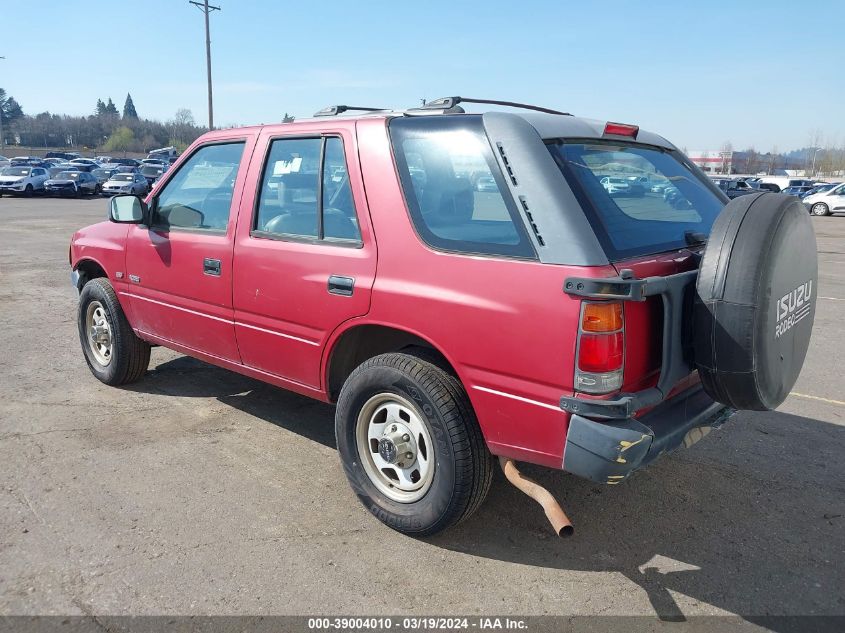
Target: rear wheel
{"x": 410, "y": 444}
{"x": 113, "y": 353}
{"x": 820, "y": 208}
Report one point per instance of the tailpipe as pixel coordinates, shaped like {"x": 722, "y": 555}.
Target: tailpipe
{"x": 560, "y": 522}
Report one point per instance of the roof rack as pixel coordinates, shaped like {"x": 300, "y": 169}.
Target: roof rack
{"x": 340, "y": 109}
{"x": 448, "y": 104}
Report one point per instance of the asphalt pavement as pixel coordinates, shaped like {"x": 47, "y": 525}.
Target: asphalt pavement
{"x": 199, "y": 491}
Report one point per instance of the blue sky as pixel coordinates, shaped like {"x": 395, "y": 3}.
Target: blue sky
{"x": 761, "y": 73}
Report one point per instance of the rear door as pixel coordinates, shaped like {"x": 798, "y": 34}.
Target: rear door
{"x": 305, "y": 254}
{"x": 179, "y": 268}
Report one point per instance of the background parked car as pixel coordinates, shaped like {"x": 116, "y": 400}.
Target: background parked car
{"x": 31, "y": 161}
{"x": 820, "y": 188}
{"x": 152, "y": 172}
{"x": 4, "y": 162}
{"x": 72, "y": 183}
{"x": 64, "y": 156}
{"x": 103, "y": 174}
{"x": 615, "y": 186}
{"x": 22, "y": 180}
{"x": 123, "y": 161}
{"x": 827, "y": 202}
{"x": 734, "y": 188}
{"x": 486, "y": 183}
{"x": 797, "y": 190}
{"x": 639, "y": 185}
{"x": 84, "y": 161}
{"x": 133, "y": 183}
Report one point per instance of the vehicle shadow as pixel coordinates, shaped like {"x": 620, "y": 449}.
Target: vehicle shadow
{"x": 187, "y": 377}
{"x": 750, "y": 520}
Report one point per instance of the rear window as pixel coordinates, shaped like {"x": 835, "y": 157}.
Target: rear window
{"x": 639, "y": 199}
{"x": 454, "y": 188}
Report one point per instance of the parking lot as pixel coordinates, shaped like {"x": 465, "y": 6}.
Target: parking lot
{"x": 198, "y": 491}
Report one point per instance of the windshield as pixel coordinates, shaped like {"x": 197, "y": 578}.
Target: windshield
{"x": 16, "y": 171}
{"x": 672, "y": 201}
{"x": 68, "y": 175}
{"x": 123, "y": 177}
{"x": 149, "y": 170}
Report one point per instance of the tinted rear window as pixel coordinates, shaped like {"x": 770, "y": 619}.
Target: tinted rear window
{"x": 639, "y": 199}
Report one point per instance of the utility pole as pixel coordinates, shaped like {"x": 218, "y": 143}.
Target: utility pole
{"x": 206, "y": 9}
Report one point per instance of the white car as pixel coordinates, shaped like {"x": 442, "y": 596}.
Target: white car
{"x": 134, "y": 183}
{"x": 4, "y": 162}
{"x": 615, "y": 185}
{"x": 826, "y": 202}
{"x": 22, "y": 180}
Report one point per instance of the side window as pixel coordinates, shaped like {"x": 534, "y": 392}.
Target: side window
{"x": 454, "y": 188}
{"x": 199, "y": 196}
{"x": 288, "y": 200}
{"x": 339, "y": 219}
{"x": 304, "y": 197}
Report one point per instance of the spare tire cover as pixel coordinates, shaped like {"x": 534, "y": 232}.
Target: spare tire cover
{"x": 755, "y": 301}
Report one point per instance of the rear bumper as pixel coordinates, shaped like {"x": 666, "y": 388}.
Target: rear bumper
{"x": 609, "y": 451}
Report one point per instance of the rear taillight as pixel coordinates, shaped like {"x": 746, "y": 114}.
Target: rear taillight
{"x": 601, "y": 348}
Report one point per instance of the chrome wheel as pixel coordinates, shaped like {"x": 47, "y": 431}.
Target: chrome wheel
{"x": 820, "y": 208}
{"x": 99, "y": 333}
{"x": 395, "y": 447}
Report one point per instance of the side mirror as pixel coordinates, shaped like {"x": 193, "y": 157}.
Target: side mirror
{"x": 127, "y": 210}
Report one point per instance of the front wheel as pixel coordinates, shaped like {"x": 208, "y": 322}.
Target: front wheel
{"x": 113, "y": 353}
{"x": 411, "y": 445}
{"x": 28, "y": 191}
{"x": 820, "y": 208}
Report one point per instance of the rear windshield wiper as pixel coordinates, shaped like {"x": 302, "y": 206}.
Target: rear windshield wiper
{"x": 694, "y": 238}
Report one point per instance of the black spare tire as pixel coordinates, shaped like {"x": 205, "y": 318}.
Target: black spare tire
{"x": 755, "y": 301}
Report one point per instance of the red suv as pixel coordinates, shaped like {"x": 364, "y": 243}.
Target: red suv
{"x": 463, "y": 286}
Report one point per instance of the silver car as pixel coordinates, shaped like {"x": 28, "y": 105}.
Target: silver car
{"x": 826, "y": 202}
{"x": 126, "y": 183}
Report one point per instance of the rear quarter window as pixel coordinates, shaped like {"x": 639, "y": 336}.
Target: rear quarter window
{"x": 454, "y": 189}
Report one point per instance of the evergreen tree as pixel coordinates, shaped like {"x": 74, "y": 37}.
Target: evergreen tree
{"x": 287, "y": 118}
{"x": 101, "y": 107}
{"x": 129, "y": 108}
{"x": 111, "y": 108}
{"x": 9, "y": 108}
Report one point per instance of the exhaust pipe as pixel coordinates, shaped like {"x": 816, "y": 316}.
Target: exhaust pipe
{"x": 560, "y": 522}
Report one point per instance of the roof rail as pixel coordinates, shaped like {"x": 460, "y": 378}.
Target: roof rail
{"x": 451, "y": 104}
{"x": 340, "y": 109}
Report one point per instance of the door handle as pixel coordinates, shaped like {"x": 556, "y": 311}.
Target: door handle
{"x": 211, "y": 267}
{"x": 343, "y": 286}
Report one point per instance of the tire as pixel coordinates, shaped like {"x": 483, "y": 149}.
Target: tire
{"x": 28, "y": 191}
{"x": 460, "y": 467}
{"x": 820, "y": 209}
{"x": 97, "y": 190}
{"x": 755, "y": 301}
{"x": 128, "y": 357}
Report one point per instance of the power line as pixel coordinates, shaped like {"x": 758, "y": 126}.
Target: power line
{"x": 206, "y": 9}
